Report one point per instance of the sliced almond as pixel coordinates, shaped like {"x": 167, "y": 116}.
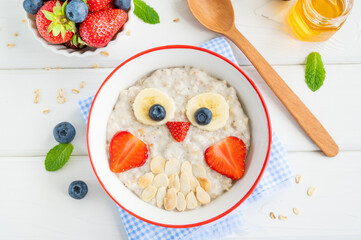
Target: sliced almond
{"x": 160, "y": 180}
{"x": 181, "y": 202}
{"x": 185, "y": 186}
{"x": 311, "y": 191}
{"x": 174, "y": 182}
{"x": 298, "y": 178}
{"x": 296, "y": 211}
{"x": 149, "y": 193}
{"x": 187, "y": 168}
{"x": 198, "y": 170}
{"x": 160, "y": 196}
{"x": 170, "y": 200}
{"x": 272, "y": 215}
{"x": 204, "y": 183}
{"x": 191, "y": 201}
{"x": 282, "y": 217}
{"x": 145, "y": 180}
{"x": 202, "y": 196}
{"x": 194, "y": 183}
{"x": 157, "y": 164}
{"x": 172, "y": 166}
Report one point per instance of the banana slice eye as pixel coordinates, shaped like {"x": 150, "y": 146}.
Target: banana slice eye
{"x": 153, "y": 107}
{"x": 208, "y": 111}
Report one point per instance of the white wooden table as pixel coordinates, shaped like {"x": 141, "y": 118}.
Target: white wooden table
{"x": 34, "y": 203}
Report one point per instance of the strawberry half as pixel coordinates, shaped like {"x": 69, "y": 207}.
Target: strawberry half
{"x": 227, "y": 157}
{"x": 96, "y": 5}
{"x": 99, "y": 28}
{"x": 178, "y": 130}
{"x": 126, "y": 152}
{"x": 52, "y": 23}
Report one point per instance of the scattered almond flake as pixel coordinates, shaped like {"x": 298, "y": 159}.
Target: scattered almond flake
{"x": 60, "y": 97}
{"x": 74, "y": 90}
{"x": 176, "y": 20}
{"x": 46, "y": 111}
{"x": 95, "y": 66}
{"x": 47, "y": 68}
{"x": 104, "y": 53}
{"x": 311, "y": 191}
{"x": 10, "y": 45}
{"x": 282, "y": 217}
{"x": 272, "y": 215}
{"x": 296, "y": 211}
{"x": 298, "y": 178}
{"x": 37, "y": 96}
{"x": 24, "y": 20}
{"x": 82, "y": 84}
{"x": 37, "y": 91}
{"x": 128, "y": 32}
{"x": 16, "y": 34}
{"x": 58, "y": 68}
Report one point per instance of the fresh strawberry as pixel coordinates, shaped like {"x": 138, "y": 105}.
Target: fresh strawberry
{"x": 52, "y": 23}
{"x": 99, "y": 28}
{"x": 76, "y": 42}
{"x": 126, "y": 151}
{"x": 109, "y": 6}
{"x": 178, "y": 130}
{"x": 97, "y": 5}
{"x": 227, "y": 157}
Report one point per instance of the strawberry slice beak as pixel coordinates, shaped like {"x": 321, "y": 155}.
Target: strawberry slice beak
{"x": 178, "y": 130}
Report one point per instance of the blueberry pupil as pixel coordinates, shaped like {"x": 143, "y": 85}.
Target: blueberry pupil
{"x": 157, "y": 112}
{"x": 203, "y": 116}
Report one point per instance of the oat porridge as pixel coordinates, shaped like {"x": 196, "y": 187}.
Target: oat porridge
{"x": 178, "y": 138}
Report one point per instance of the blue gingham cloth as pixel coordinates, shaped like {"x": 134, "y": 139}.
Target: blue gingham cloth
{"x": 277, "y": 175}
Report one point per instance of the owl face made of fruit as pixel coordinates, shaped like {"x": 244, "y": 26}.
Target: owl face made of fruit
{"x": 176, "y": 119}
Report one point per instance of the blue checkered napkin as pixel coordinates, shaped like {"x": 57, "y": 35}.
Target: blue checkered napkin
{"x": 277, "y": 174}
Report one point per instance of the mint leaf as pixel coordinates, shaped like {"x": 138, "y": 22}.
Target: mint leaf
{"x": 145, "y": 12}
{"x": 315, "y": 72}
{"x": 58, "y": 156}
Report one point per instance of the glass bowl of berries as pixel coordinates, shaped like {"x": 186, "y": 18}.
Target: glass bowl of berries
{"x": 78, "y": 27}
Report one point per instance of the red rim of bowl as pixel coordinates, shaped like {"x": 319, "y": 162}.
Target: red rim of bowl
{"x": 264, "y": 107}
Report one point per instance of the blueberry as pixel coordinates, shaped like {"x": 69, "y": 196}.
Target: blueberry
{"x": 122, "y": 4}
{"x": 78, "y": 189}
{"x": 157, "y": 112}
{"x": 203, "y": 116}
{"x": 64, "y": 132}
{"x": 32, "y": 6}
{"x": 76, "y": 11}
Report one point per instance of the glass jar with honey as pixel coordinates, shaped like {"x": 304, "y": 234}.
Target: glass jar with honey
{"x": 318, "y": 20}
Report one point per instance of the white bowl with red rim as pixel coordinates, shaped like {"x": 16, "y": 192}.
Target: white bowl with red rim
{"x": 144, "y": 63}
{"x": 86, "y": 51}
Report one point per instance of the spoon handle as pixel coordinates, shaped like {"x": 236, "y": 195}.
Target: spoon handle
{"x": 295, "y": 106}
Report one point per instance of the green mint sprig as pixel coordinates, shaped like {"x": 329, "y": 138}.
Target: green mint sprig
{"x": 315, "y": 72}
{"x": 145, "y": 12}
{"x": 58, "y": 156}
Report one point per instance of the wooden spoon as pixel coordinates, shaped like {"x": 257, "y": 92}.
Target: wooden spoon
{"x": 218, "y": 16}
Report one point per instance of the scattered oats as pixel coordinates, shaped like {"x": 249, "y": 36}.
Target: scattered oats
{"x": 46, "y": 111}
{"x": 128, "y": 32}
{"x": 47, "y": 68}
{"x": 61, "y": 98}
{"x": 176, "y": 20}
{"x": 58, "y": 68}
{"x": 24, "y": 20}
{"x": 76, "y": 91}
{"x": 282, "y": 217}
{"x": 16, "y": 34}
{"x": 37, "y": 91}
{"x": 298, "y": 178}
{"x": 311, "y": 191}
{"x": 104, "y": 53}
{"x": 10, "y": 45}
{"x": 37, "y": 96}
{"x": 296, "y": 211}
{"x": 95, "y": 66}
{"x": 82, "y": 84}
{"x": 272, "y": 215}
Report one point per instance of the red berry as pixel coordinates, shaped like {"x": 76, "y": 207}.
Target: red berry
{"x": 178, "y": 130}
{"x": 96, "y": 5}
{"x": 99, "y": 28}
{"x": 227, "y": 157}
{"x": 126, "y": 152}
{"x": 60, "y": 22}
{"x": 109, "y": 6}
